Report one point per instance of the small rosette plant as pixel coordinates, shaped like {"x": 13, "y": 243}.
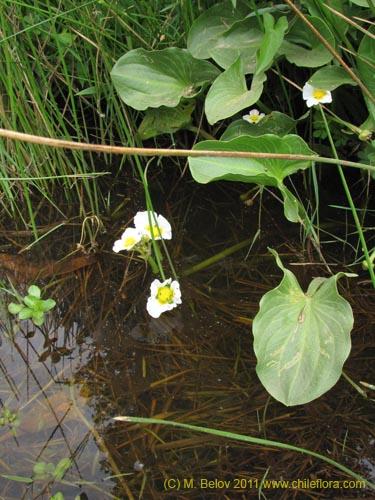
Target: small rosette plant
{"x": 33, "y": 307}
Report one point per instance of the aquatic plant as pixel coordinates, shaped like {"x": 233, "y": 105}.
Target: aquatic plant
{"x": 149, "y": 228}
{"x": 230, "y": 44}
{"x": 32, "y": 306}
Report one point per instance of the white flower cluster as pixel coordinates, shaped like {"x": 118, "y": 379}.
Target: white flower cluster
{"x": 159, "y": 228}
{"x": 165, "y": 295}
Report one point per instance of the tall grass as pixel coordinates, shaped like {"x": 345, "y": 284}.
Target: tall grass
{"x": 55, "y": 60}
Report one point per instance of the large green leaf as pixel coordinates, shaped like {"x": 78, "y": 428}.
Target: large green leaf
{"x": 244, "y": 39}
{"x": 150, "y": 79}
{"x": 228, "y": 94}
{"x": 264, "y": 171}
{"x": 330, "y": 77}
{"x": 303, "y": 48}
{"x": 205, "y": 33}
{"x": 301, "y": 340}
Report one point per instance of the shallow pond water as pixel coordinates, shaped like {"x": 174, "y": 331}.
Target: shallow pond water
{"x": 99, "y": 356}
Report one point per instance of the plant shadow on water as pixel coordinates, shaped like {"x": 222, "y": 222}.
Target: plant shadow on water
{"x": 99, "y": 356}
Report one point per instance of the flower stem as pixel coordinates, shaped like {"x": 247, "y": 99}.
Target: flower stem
{"x": 153, "y": 264}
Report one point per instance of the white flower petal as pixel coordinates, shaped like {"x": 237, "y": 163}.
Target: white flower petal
{"x": 160, "y": 230}
{"x": 314, "y": 96}
{"x": 158, "y": 301}
{"x": 129, "y": 238}
{"x": 254, "y": 116}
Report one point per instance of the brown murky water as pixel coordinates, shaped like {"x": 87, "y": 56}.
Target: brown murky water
{"x": 100, "y": 356}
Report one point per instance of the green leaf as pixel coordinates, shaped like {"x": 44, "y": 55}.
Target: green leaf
{"x": 271, "y": 41}
{"x": 365, "y": 66}
{"x": 330, "y": 77}
{"x": 62, "y": 467}
{"x": 19, "y": 479}
{"x": 228, "y": 94}
{"x": 58, "y": 496}
{"x": 275, "y": 123}
{"x": 47, "y": 305}
{"x": 205, "y": 33}
{"x": 26, "y": 313}
{"x": 165, "y": 120}
{"x": 160, "y": 78}
{"x": 38, "y": 318}
{"x": 43, "y": 470}
{"x": 34, "y": 291}
{"x": 303, "y": 48}
{"x": 293, "y": 210}
{"x": 31, "y": 301}
{"x": 264, "y": 171}
{"x": 15, "y": 308}
{"x": 361, "y": 3}
{"x": 301, "y": 340}
{"x": 243, "y": 40}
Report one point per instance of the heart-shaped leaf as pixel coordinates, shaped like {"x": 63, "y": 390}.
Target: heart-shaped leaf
{"x": 150, "y": 79}
{"x": 243, "y": 40}
{"x": 303, "y": 48}
{"x": 301, "y": 340}
{"x": 264, "y": 171}
{"x": 228, "y": 94}
{"x": 206, "y": 31}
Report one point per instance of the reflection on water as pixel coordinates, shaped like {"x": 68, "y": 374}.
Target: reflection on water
{"x": 49, "y": 414}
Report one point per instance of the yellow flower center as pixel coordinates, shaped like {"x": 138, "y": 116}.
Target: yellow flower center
{"x": 165, "y": 295}
{"x": 254, "y": 118}
{"x": 154, "y": 231}
{"x": 319, "y": 94}
{"x": 130, "y": 241}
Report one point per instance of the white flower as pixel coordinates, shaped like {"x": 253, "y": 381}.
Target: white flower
{"x": 314, "y": 96}
{"x": 159, "y": 228}
{"x": 163, "y": 297}
{"x": 254, "y": 116}
{"x": 129, "y": 238}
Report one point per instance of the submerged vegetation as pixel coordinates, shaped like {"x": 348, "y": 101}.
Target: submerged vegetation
{"x": 105, "y": 109}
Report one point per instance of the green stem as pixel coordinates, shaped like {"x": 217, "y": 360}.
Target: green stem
{"x": 353, "y": 384}
{"x": 153, "y": 264}
{"x": 247, "y": 439}
{"x": 216, "y": 258}
{"x": 350, "y": 201}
